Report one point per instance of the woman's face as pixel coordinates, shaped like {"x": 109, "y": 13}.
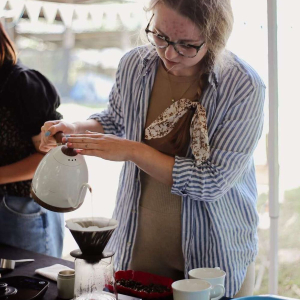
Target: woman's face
{"x": 177, "y": 28}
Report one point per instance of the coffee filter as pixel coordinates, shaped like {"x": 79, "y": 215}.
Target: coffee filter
{"x": 91, "y": 234}
{"x": 91, "y": 224}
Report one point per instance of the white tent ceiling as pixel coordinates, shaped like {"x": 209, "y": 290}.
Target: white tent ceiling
{"x": 89, "y": 15}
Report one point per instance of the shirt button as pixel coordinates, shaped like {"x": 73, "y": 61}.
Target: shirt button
{"x": 133, "y": 211}
{"x": 128, "y": 244}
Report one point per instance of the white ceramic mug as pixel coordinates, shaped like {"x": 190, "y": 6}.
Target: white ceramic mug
{"x": 212, "y": 275}
{"x": 196, "y": 289}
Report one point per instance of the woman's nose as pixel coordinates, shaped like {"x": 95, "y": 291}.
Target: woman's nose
{"x": 170, "y": 53}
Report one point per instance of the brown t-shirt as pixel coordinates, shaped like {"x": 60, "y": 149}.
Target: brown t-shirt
{"x": 157, "y": 247}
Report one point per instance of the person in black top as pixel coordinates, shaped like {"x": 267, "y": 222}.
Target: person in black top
{"x": 27, "y": 100}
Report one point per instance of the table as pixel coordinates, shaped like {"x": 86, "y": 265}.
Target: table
{"x": 41, "y": 261}
{"x": 27, "y": 269}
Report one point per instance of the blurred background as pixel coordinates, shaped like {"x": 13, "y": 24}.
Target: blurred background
{"x": 78, "y": 44}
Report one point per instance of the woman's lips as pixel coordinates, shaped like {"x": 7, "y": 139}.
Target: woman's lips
{"x": 170, "y": 63}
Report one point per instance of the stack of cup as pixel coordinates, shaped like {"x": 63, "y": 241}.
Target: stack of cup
{"x": 203, "y": 284}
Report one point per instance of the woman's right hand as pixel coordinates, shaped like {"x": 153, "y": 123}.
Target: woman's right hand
{"x": 50, "y": 128}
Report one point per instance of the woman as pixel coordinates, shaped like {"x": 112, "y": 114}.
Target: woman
{"x": 187, "y": 194}
{"x": 27, "y": 100}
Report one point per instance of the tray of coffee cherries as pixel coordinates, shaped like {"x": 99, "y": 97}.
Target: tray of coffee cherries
{"x": 142, "y": 285}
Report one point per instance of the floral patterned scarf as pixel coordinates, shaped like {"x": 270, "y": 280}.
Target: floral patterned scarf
{"x": 168, "y": 119}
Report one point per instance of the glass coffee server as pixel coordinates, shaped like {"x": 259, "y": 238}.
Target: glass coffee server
{"x": 94, "y": 267}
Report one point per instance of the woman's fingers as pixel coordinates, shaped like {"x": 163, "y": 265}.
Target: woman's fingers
{"x": 89, "y": 152}
{"x": 80, "y": 138}
{"x": 106, "y": 146}
{"x": 91, "y": 132}
{"x": 50, "y": 128}
{"x": 48, "y": 125}
{"x": 93, "y": 135}
{"x": 46, "y": 145}
{"x": 84, "y": 145}
{"x": 83, "y": 142}
{"x": 54, "y": 129}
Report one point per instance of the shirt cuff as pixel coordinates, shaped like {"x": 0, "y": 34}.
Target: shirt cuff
{"x": 105, "y": 121}
{"x": 182, "y": 173}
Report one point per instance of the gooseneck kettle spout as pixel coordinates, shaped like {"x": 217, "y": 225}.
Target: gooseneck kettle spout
{"x": 79, "y": 199}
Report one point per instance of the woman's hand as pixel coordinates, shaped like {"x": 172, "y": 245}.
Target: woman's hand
{"x": 49, "y": 129}
{"x": 106, "y": 146}
{"x": 111, "y": 147}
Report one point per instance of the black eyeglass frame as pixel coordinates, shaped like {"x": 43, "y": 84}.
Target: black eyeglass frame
{"x": 147, "y": 30}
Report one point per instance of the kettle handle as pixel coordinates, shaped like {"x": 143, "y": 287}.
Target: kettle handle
{"x": 58, "y": 137}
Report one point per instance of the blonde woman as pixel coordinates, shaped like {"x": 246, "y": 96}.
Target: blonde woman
{"x": 185, "y": 116}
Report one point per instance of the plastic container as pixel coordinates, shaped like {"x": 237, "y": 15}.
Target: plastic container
{"x": 145, "y": 279}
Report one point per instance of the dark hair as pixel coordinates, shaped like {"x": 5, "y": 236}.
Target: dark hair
{"x": 7, "y": 49}
{"x": 215, "y": 20}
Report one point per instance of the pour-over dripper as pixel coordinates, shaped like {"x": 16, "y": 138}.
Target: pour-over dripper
{"x": 91, "y": 234}
{"x": 93, "y": 267}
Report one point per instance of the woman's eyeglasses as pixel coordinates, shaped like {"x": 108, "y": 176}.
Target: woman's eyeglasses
{"x": 162, "y": 42}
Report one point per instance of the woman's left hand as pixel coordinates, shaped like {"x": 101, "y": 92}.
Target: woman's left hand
{"x": 106, "y": 146}
{"x": 110, "y": 147}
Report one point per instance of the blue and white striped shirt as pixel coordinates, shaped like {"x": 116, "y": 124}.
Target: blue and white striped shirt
{"x": 219, "y": 218}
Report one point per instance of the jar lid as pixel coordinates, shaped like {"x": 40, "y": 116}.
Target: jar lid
{"x": 92, "y": 258}
{"x": 66, "y": 273}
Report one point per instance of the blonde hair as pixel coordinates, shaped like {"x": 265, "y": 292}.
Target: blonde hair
{"x": 215, "y": 20}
